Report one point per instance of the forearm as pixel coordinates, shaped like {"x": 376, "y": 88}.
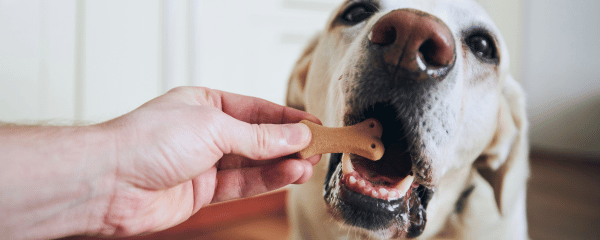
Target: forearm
{"x": 54, "y": 181}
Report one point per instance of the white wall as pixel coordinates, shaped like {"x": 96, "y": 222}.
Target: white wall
{"x": 554, "y": 47}
{"x": 92, "y": 60}
{"x": 37, "y": 60}
{"x": 120, "y": 56}
{"x": 562, "y": 74}
{"x": 249, "y": 47}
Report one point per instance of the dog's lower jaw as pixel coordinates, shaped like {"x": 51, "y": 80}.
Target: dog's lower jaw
{"x": 375, "y": 218}
{"x": 358, "y": 221}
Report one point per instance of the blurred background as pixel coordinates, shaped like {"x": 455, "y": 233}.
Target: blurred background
{"x": 87, "y": 61}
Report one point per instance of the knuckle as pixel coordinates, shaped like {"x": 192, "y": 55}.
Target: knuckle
{"x": 198, "y": 94}
{"x": 262, "y": 135}
{"x": 178, "y": 89}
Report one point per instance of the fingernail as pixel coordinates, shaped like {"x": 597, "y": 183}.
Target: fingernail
{"x": 296, "y": 133}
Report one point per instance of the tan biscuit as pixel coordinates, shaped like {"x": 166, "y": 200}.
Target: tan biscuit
{"x": 362, "y": 139}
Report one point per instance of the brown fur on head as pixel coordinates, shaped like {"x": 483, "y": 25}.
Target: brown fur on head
{"x": 297, "y": 81}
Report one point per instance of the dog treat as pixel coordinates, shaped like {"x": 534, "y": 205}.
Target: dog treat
{"x": 363, "y": 139}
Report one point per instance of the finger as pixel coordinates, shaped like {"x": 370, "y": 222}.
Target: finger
{"x": 244, "y": 108}
{"x": 203, "y": 186}
{"x": 262, "y": 141}
{"x": 308, "y": 171}
{"x": 247, "y": 182}
{"x": 314, "y": 159}
{"x": 256, "y": 110}
{"x": 230, "y": 161}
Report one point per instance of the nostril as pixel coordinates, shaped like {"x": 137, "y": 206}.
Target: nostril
{"x": 383, "y": 35}
{"x": 429, "y": 52}
{"x": 436, "y": 53}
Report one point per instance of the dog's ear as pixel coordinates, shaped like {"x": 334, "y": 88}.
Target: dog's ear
{"x": 297, "y": 82}
{"x": 504, "y": 163}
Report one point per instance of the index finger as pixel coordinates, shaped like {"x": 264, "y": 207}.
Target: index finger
{"x": 255, "y": 110}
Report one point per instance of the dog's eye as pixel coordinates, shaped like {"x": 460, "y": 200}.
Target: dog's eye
{"x": 357, "y": 13}
{"x": 482, "y": 46}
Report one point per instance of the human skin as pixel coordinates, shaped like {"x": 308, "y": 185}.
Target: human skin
{"x": 149, "y": 169}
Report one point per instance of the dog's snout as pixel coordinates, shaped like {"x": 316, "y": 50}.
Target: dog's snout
{"x": 414, "y": 41}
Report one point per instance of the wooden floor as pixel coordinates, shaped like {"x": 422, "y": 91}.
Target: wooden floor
{"x": 564, "y": 198}
{"x": 563, "y": 203}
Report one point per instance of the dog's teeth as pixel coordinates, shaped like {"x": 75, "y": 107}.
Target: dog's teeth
{"x": 347, "y": 164}
{"x": 352, "y": 180}
{"x": 383, "y": 191}
{"x": 374, "y": 193}
{"x": 404, "y": 185}
{"x": 392, "y": 194}
{"x": 361, "y": 183}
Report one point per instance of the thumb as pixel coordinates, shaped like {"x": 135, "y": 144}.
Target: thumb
{"x": 266, "y": 141}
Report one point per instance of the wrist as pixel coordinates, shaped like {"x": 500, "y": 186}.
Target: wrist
{"x": 101, "y": 143}
{"x": 57, "y": 181}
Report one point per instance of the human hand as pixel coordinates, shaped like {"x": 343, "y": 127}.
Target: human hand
{"x": 194, "y": 146}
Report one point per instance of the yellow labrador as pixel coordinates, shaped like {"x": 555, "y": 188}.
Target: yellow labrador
{"x": 435, "y": 74}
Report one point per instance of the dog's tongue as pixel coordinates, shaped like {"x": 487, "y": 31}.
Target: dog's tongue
{"x": 362, "y": 178}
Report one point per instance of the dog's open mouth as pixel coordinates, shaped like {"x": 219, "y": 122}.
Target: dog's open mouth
{"x": 381, "y": 196}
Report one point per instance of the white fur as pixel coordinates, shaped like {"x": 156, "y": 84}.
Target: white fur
{"x": 492, "y": 124}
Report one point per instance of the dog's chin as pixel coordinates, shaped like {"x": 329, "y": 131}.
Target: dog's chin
{"x": 381, "y": 199}
{"x": 375, "y": 216}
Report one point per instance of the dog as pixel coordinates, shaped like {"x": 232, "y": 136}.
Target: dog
{"x": 435, "y": 74}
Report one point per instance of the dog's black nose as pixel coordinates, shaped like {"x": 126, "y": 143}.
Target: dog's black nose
{"x": 416, "y": 42}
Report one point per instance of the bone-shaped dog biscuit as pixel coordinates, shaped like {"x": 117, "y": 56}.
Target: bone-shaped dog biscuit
{"x": 362, "y": 139}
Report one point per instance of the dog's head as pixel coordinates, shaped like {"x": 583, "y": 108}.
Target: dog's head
{"x": 435, "y": 74}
